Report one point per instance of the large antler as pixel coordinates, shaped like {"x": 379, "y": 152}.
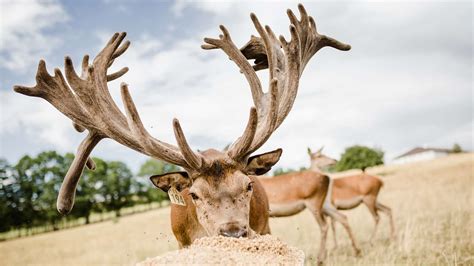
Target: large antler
{"x": 285, "y": 61}
{"x": 87, "y": 102}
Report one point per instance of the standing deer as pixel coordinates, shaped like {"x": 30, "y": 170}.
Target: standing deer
{"x": 221, "y": 192}
{"x": 350, "y": 191}
{"x": 291, "y": 193}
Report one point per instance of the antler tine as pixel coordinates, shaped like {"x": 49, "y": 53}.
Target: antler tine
{"x": 239, "y": 148}
{"x": 268, "y": 120}
{"x": 118, "y": 52}
{"x": 259, "y": 127}
{"x": 121, "y": 49}
{"x": 90, "y": 164}
{"x": 194, "y": 160}
{"x": 226, "y": 44}
{"x": 67, "y": 192}
{"x": 85, "y": 66}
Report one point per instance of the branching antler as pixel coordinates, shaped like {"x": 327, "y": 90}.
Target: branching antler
{"x": 88, "y": 103}
{"x": 285, "y": 61}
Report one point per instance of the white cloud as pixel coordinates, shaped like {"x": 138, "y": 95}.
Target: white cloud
{"x": 23, "y": 27}
{"x": 35, "y": 118}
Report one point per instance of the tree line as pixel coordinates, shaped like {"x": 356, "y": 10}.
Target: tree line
{"x": 29, "y": 188}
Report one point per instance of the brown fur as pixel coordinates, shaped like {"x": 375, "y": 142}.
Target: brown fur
{"x": 358, "y": 185}
{"x": 349, "y": 192}
{"x": 312, "y": 185}
{"x": 365, "y": 188}
{"x": 294, "y": 192}
{"x": 222, "y": 199}
{"x": 186, "y": 227}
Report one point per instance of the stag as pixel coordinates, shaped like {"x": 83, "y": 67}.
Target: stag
{"x": 222, "y": 195}
{"x": 348, "y": 192}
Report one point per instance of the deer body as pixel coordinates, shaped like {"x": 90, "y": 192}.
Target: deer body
{"x": 349, "y": 192}
{"x": 311, "y": 192}
{"x": 291, "y": 193}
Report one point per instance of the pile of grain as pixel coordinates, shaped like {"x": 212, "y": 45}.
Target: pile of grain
{"x": 261, "y": 250}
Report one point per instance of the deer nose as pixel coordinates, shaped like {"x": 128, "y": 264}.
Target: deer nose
{"x": 233, "y": 230}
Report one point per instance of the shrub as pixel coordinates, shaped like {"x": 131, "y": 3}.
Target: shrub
{"x": 359, "y": 157}
{"x": 456, "y": 148}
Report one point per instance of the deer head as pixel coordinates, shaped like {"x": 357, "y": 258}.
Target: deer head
{"x": 218, "y": 181}
{"x": 319, "y": 160}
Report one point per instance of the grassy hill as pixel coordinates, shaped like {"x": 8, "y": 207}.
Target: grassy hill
{"x": 432, "y": 204}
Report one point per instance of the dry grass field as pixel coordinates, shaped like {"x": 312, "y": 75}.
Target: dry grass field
{"x": 432, "y": 204}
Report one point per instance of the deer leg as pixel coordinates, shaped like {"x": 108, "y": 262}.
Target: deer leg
{"x": 388, "y": 212}
{"x": 370, "y": 202}
{"x": 324, "y": 233}
{"x": 341, "y": 218}
{"x": 333, "y": 227}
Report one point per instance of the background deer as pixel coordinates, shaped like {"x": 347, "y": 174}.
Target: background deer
{"x": 291, "y": 193}
{"x": 220, "y": 190}
{"x": 348, "y": 192}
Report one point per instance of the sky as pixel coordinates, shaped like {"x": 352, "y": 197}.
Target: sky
{"x": 406, "y": 82}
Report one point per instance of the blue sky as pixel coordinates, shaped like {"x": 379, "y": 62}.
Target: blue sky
{"x": 407, "y": 81}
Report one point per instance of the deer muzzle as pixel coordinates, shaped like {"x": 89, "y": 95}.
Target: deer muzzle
{"x": 233, "y": 230}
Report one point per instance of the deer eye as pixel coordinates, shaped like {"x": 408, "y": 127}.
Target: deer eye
{"x": 250, "y": 187}
{"x": 194, "y": 196}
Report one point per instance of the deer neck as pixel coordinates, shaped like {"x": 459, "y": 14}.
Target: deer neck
{"x": 315, "y": 168}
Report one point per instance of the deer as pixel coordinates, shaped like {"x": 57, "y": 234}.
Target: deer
{"x": 220, "y": 190}
{"x": 349, "y": 192}
{"x": 291, "y": 193}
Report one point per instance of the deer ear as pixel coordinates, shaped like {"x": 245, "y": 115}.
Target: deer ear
{"x": 309, "y": 151}
{"x": 320, "y": 150}
{"x": 262, "y": 163}
{"x": 179, "y": 180}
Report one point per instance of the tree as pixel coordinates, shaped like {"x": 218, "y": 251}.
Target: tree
{"x": 8, "y": 199}
{"x": 359, "y": 157}
{"x": 117, "y": 186}
{"x": 29, "y": 189}
{"x": 456, "y": 148}
{"x": 37, "y": 183}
